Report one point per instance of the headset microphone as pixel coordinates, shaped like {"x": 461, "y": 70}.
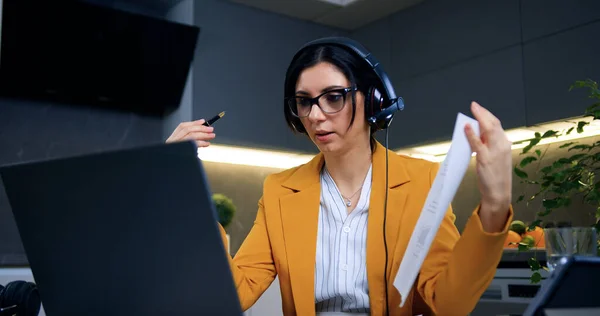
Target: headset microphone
{"x": 387, "y": 113}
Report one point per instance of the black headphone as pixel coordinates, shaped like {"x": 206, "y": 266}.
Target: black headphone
{"x": 19, "y": 298}
{"x": 379, "y": 107}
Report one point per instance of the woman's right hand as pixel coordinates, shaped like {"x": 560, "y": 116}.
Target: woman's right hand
{"x": 193, "y": 131}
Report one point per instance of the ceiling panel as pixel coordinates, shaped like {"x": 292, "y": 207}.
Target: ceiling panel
{"x": 350, "y": 17}
{"x": 304, "y": 9}
{"x": 363, "y": 12}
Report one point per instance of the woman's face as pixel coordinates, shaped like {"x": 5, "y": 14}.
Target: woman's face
{"x": 330, "y": 131}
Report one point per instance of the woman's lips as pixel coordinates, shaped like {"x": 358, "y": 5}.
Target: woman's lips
{"x": 323, "y": 136}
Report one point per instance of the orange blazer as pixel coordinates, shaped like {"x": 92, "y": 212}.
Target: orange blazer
{"x": 283, "y": 240}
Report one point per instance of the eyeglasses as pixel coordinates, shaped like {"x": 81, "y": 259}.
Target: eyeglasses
{"x": 329, "y": 102}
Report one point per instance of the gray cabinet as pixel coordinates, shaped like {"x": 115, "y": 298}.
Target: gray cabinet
{"x": 437, "y": 33}
{"x": 546, "y": 17}
{"x": 376, "y": 37}
{"x": 552, "y": 64}
{"x": 433, "y": 99}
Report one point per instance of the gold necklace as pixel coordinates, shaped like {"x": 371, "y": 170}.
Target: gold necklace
{"x": 348, "y": 201}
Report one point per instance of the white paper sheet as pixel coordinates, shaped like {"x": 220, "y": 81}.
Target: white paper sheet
{"x": 443, "y": 189}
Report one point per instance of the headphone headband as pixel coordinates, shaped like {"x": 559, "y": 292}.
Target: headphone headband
{"x": 392, "y": 102}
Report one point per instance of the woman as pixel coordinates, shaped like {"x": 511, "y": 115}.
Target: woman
{"x": 319, "y": 225}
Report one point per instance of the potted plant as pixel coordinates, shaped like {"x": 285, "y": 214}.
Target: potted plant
{"x": 225, "y": 212}
{"x": 559, "y": 182}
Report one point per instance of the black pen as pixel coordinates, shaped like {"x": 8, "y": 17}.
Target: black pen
{"x": 214, "y": 119}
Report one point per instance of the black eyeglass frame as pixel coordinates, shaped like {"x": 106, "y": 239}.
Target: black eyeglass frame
{"x": 343, "y": 91}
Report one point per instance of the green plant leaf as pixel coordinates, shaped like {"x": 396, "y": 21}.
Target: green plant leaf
{"x": 535, "y": 223}
{"x": 534, "y": 264}
{"x": 523, "y": 246}
{"x": 545, "y": 212}
{"x": 592, "y": 196}
{"x": 521, "y": 197}
{"x": 592, "y": 107}
{"x": 546, "y": 169}
{"x": 566, "y": 144}
{"x": 552, "y": 203}
{"x": 536, "y": 277}
{"x": 581, "y": 146}
{"x": 595, "y": 114}
{"x": 532, "y": 143}
{"x": 560, "y": 176}
{"x": 587, "y": 83}
{"x": 520, "y": 173}
{"x": 577, "y": 157}
{"x": 538, "y": 152}
{"x": 580, "y": 126}
{"x": 225, "y": 207}
{"x": 526, "y": 161}
{"x": 558, "y": 164}
{"x": 549, "y": 133}
{"x": 570, "y": 130}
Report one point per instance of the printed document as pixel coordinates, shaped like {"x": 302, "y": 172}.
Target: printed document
{"x": 442, "y": 191}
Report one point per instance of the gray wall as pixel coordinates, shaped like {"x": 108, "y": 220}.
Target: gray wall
{"x": 240, "y": 68}
{"x": 516, "y": 57}
{"x": 182, "y": 12}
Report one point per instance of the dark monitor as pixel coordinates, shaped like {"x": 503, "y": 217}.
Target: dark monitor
{"x": 572, "y": 290}
{"x": 126, "y": 232}
{"x": 80, "y": 53}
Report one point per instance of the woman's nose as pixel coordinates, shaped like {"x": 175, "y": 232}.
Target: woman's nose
{"x": 316, "y": 114}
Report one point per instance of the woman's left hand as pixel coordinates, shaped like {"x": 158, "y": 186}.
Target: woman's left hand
{"x": 494, "y": 168}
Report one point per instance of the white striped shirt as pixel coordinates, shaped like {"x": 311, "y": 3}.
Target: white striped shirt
{"x": 340, "y": 266}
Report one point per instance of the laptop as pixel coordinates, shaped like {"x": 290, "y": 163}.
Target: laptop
{"x": 125, "y": 232}
{"x": 570, "y": 291}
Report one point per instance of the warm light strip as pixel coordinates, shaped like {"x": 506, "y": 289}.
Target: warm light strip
{"x": 437, "y": 152}
{"x": 252, "y": 157}
{"x": 434, "y": 152}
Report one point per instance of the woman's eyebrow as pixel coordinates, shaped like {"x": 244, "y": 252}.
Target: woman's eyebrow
{"x": 322, "y": 90}
{"x": 331, "y": 88}
{"x": 302, "y": 92}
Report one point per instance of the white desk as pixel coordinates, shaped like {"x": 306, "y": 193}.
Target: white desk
{"x": 269, "y": 303}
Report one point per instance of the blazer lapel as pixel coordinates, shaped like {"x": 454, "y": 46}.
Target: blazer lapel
{"x": 397, "y": 176}
{"x": 300, "y": 215}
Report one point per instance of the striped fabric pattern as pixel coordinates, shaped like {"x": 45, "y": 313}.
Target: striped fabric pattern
{"x": 340, "y": 266}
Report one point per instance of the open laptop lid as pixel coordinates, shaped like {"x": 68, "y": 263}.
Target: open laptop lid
{"x": 127, "y": 232}
{"x": 570, "y": 291}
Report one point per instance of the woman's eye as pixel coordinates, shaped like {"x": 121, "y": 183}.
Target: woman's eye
{"x": 334, "y": 97}
{"x": 304, "y": 102}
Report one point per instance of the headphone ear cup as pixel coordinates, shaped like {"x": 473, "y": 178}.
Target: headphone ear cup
{"x": 23, "y": 294}
{"x": 373, "y": 105}
{"x": 1, "y": 295}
